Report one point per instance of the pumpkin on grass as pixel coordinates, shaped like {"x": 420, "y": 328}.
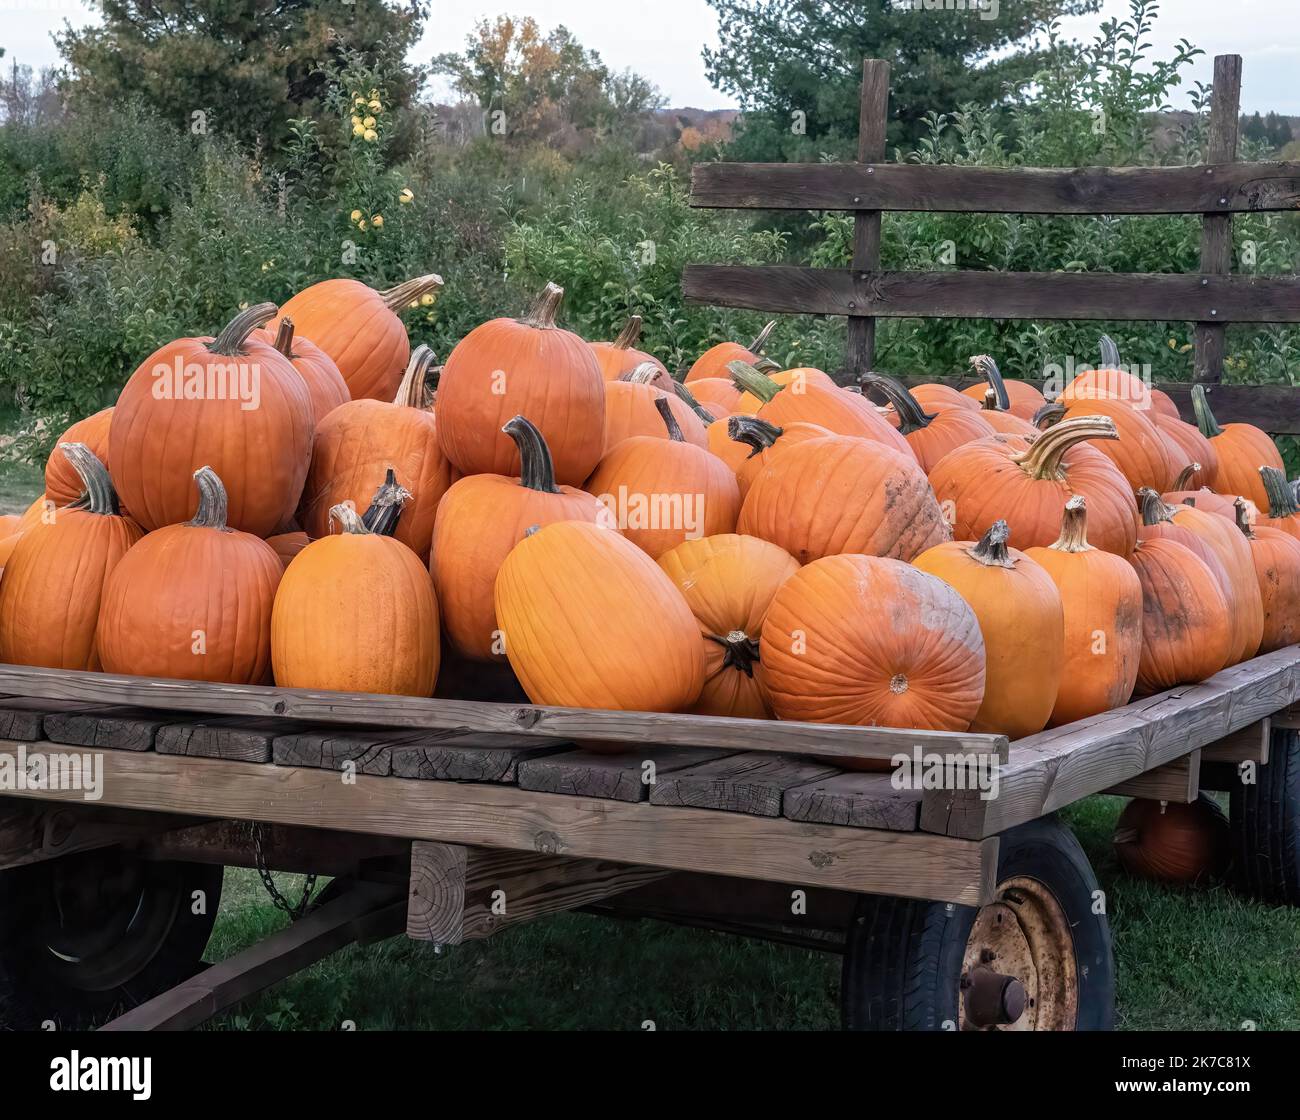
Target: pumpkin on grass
{"x": 590, "y": 621}
{"x": 233, "y": 403}
{"x": 714, "y": 362}
{"x": 1275, "y": 555}
{"x": 523, "y": 367}
{"x": 753, "y": 443}
{"x": 873, "y": 642}
{"x": 1021, "y": 618}
{"x": 481, "y": 518}
{"x": 1172, "y": 842}
{"x": 1242, "y": 450}
{"x": 1016, "y": 397}
{"x": 621, "y": 356}
{"x": 54, "y": 580}
{"x": 193, "y": 601}
{"x": 728, "y": 582}
{"x": 1283, "y": 511}
{"x": 1101, "y": 598}
{"x": 61, "y": 477}
{"x": 630, "y": 410}
{"x": 931, "y": 435}
{"x": 358, "y": 328}
{"x": 325, "y": 383}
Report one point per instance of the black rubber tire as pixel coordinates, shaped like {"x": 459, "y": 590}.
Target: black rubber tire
{"x": 1265, "y": 822}
{"x": 903, "y": 958}
{"x": 160, "y": 944}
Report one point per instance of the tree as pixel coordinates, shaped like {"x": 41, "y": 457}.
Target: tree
{"x": 247, "y": 66}
{"x": 1255, "y": 129}
{"x": 795, "y": 65}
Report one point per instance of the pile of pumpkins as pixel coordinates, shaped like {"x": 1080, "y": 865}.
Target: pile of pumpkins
{"x": 304, "y": 501}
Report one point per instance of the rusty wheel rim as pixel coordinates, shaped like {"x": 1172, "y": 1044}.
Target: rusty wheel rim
{"x": 1018, "y": 971}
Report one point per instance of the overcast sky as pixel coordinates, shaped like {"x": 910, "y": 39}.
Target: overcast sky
{"x": 662, "y": 38}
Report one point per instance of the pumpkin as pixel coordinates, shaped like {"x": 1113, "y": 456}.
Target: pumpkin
{"x": 54, "y": 579}
{"x": 1276, "y": 558}
{"x": 590, "y": 621}
{"x": 1101, "y": 599}
{"x": 630, "y": 410}
{"x": 720, "y": 391}
{"x": 1172, "y": 842}
{"x": 760, "y": 442}
{"x": 716, "y": 360}
{"x": 873, "y": 642}
{"x": 1140, "y": 452}
{"x": 728, "y": 582}
{"x": 61, "y": 477}
{"x": 193, "y": 601}
{"x": 1028, "y": 484}
{"x": 1108, "y": 382}
{"x": 523, "y": 367}
{"x": 1188, "y": 448}
{"x": 1162, "y": 405}
{"x": 1242, "y": 450}
{"x": 359, "y": 441}
{"x": 356, "y": 612}
{"x": 233, "y": 403}
{"x": 931, "y": 435}
{"x": 1208, "y": 500}
{"x": 325, "y": 384}
{"x": 798, "y": 380}
{"x": 358, "y": 328}
{"x": 621, "y": 357}
{"x": 9, "y": 523}
{"x": 841, "y": 494}
{"x": 1021, "y": 618}
{"x": 1186, "y": 632}
{"x": 288, "y": 545}
{"x": 1283, "y": 509}
{"x": 1004, "y": 422}
{"x": 934, "y": 396}
{"x": 481, "y": 518}
{"x": 666, "y": 491}
{"x": 1016, "y": 397}
{"x": 42, "y": 509}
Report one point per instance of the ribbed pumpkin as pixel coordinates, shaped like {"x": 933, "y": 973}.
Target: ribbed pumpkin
{"x": 728, "y": 582}
{"x": 1102, "y": 602}
{"x": 931, "y": 435}
{"x": 61, "y": 477}
{"x": 1186, "y": 632}
{"x": 761, "y": 442}
{"x": 325, "y": 383}
{"x": 797, "y": 380}
{"x": 251, "y": 422}
{"x": 714, "y": 362}
{"x": 358, "y": 328}
{"x": 621, "y": 356}
{"x": 193, "y": 601}
{"x": 1172, "y": 842}
{"x": 1022, "y": 621}
{"x": 1276, "y": 557}
{"x": 481, "y": 518}
{"x": 873, "y": 642}
{"x": 1017, "y": 397}
{"x": 1003, "y": 421}
{"x": 356, "y": 612}
{"x": 1283, "y": 511}
{"x": 1108, "y": 382}
{"x": 650, "y": 481}
{"x": 1140, "y": 452}
{"x": 630, "y": 410}
{"x": 1027, "y": 484}
{"x": 590, "y": 621}
{"x": 717, "y": 390}
{"x": 1242, "y": 450}
{"x": 54, "y": 581}
{"x": 358, "y": 442}
{"x": 1188, "y": 449}
{"x": 934, "y": 396}
{"x": 1208, "y": 500}
{"x": 523, "y": 367}
{"x": 1162, "y": 404}
{"x": 9, "y": 523}
{"x": 842, "y": 494}
{"x": 288, "y": 545}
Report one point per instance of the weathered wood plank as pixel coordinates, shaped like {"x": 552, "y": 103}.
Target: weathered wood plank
{"x": 467, "y": 758}
{"x": 32, "y": 831}
{"x": 369, "y": 752}
{"x": 1174, "y": 781}
{"x": 23, "y": 717}
{"x": 997, "y": 295}
{"x": 120, "y": 729}
{"x": 232, "y": 737}
{"x": 738, "y": 783}
{"x": 1250, "y": 744}
{"x": 289, "y": 848}
{"x": 628, "y": 776}
{"x": 856, "y": 800}
{"x": 908, "y": 864}
{"x": 873, "y": 120}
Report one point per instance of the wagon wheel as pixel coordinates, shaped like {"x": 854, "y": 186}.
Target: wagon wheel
{"x": 90, "y": 934}
{"x": 1265, "y": 820}
{"x": 1035, "y": 958}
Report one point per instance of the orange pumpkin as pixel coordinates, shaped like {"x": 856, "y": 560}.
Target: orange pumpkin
{"x": 762, "y": 442}
{"x": 1188, "y": 447}
{"x": 714, "y": 362}
{"x": 1283, "y": 509}
{"x": 1162, "y": 405}
{"x": 1108, "y": 382}
{"x": 1276, "y": 558}
{"x": 1002, "y": 421}
{"x": 193, "y": 601}
{"x": 1101, "y": 598}
{"x": 1242, "y": 450}
{"x": 590, "y": 621}
{"x": 9, "y": 523}
{"x": 523, "y": 367}
{"x": 728, "y": 582}
{"x": 288, "y": 545}
{"x": 54, "y": 579}
{"x": 759, "y": 393}
{"x": 358, "y": 328}
{"x": 621, "y": 357}
{"x": 931, "y": 435}
{"x": 1208, "y": 500}
{"x": 325, "y": 383}
{"x": 1140, "y": 452}
{"x": 1172, "y": 842}
{"x": 934, "y": 396}
{"x": 1016, "y": 397}
{"x": 233, "y": 403}
{"x": 630, "y": 410}
{"x": 720, "y": 391}
{"x": 481, "y": 518}
{"x": 61, "y": 477}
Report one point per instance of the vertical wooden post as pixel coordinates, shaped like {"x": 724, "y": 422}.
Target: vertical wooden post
{"x": 873, "y": 117}
{"x": 1216, "y": 230}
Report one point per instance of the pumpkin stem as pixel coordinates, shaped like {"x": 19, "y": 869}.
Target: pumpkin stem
{"x": 1242, "y": 518}
{"x": 347, "y": 518}
{"x": 670, "y": 421}
{"x": 97, "y": 493}
{"x": 1204, "y": 417}
{"x": 230, "y": 342}
{"x": 990, "y": 402}
{"x": 213, "y": 504}
{"x": 760, "y": 339}
{"x": 1053, "y": 412}
{"x": 991, "y": 549}
{"x": 537, "y": 471}
{"x": 547, "y": 305}
{"x": 911, "y": 416}
{"x": 1153, "y": 507}
{"x": 1074, "y": 527}
{"x": 741, "y": 650}
{"x": 1043, "y": 459}
{"x": 284, "y": 337}
{"x": 1184, "y": 479}
{"x": 693, "y": 403}
{"x": 1109, "y": 352}
{"x": 642, "y": 374}
{"x": 749, "y": 380}
{"x": 396, "y": 299}
{"x": 758, "y": 433}
{"x": 411, "y": 391}
{"x": 386, "y": 506}
{"x": 987, "y": 368}
{"x": 630, "y": 335}
{"x": 1281, "y": 499}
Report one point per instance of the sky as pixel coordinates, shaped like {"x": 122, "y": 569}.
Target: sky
{"x": 662, "y": 38}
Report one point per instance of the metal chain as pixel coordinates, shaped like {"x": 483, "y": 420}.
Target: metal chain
{"x": 295, "y": 912}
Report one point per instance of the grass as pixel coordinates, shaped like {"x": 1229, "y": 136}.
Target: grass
{"x": 1187, "y": 960}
